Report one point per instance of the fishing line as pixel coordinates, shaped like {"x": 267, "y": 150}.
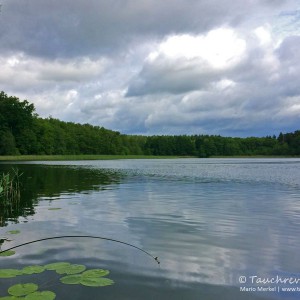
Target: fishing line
{"x": 82, "y": 236}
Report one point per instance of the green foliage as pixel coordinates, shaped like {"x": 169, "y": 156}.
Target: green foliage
{"x": 14, "y": 231}
{"x": 44, "y": 295}
{"x": 30, "y": 291}
{"x": 96, "y": 282}
{"x": 95, "y": 273}
{"x": 7, "y": 253}
{"x": 15, "y": 117}
{"x": 71, "y": 269}
{"x": 71, "y": 279}
{"x": 22, "y": 289}
{"x": 57, "y": 266}
{"x": 9, "y": 190}
{"x": 23, "y": 132}
{"x": 33, "y": 269}
{"x": 9, "y": 273}
{"x": 10, "y": 185}
{"x": 7, "y": 143}
{"x": 89, "y": 278}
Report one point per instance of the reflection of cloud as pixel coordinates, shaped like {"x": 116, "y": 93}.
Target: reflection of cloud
{"x": 209, "y": 221}
{"x": 215, "y": 238}
{"x": 185, "y": 252}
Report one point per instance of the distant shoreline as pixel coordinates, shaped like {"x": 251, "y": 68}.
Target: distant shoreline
{"x": 115, "y": 157}
{"x": 78, "y": 157}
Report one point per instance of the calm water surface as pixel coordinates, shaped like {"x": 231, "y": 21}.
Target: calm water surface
{"x": 210, "y": 221}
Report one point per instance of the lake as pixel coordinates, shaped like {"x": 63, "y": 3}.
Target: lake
{"x": 222, "y": 228}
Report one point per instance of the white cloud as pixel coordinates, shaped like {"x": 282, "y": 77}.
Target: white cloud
{"x": 218, "y": 49}
{"x": 224, "y": 84}
{"x": 290, "y": 109}
{"x": 76, "y": 70}
{"x": 201, "y": 87}
{"x": 18, "y": 67}
{"x": 185, "y": 62}
{"x": 263, "y": 35}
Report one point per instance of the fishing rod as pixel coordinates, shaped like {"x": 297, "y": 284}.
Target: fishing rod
{"x": 82, "y": 236}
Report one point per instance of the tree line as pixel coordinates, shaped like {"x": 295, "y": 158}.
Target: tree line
{"x": 23, "y": 132}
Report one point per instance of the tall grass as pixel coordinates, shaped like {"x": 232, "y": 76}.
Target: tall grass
{"x": 9, "y": 187}
{"x": 9, "y": 195}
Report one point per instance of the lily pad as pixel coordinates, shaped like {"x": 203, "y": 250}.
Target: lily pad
{"x": 33, "y": 270}
{"x": 95, "y": 273}
{"x": 56, "y": 266}
{"x": 92, "y": 277}
{"x": 14, "y": 231}
{"x": 96, "y": 281}
{"x": 44, "y": 295}
{"x": 71, "y": 279}
{"x": 22, "y": 289}
{"x": 10, "y": 298}
{"x": 9, "y": 273}
{"x": 8, "y": 253}
{"x": 70, "y": 270}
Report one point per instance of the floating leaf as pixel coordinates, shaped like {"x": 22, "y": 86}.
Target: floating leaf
{"x": 95, "y": 273}
{"x": 10, "y": 298}
{"x": 45, "y": 295}
{"x": 56, "y": 266}
{"x": 9, "y": 273}
{"x": 8, "y": 253}
{"x": 71, "y": 279}
{"x": 33, "y": 270}
{"x": 70, "y": 270}
{"x": 92, "y": 277}
{"x": 22, "y": 289}
{"x": 14, "y": 231}
{"x": 54, "y": 208}
{"x": 96, "y": 281}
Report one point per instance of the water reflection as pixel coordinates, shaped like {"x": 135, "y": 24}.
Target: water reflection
{"x": 209, "y": 223}
{"x": 40, "y": 182}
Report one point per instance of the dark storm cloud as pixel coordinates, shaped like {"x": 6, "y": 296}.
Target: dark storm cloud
{"x": 78, "y": 28}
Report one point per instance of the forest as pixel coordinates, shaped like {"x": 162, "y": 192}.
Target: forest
{"x": 23, "y": 132}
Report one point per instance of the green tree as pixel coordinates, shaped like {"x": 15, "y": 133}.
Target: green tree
{"x": 16, "y": 116}
{"x": 7, "y": 143}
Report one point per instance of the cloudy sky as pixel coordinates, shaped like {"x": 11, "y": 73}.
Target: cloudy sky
{"x": 156, "y": 67}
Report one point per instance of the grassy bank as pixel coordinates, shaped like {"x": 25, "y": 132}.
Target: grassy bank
{"x": 78, "y": 157}
{"x": 257, "y": 156}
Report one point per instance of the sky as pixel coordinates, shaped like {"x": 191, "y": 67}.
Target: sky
{"x": 148, "y": 67}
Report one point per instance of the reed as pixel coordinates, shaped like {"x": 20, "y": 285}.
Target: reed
{"x": 10, "y": 187}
